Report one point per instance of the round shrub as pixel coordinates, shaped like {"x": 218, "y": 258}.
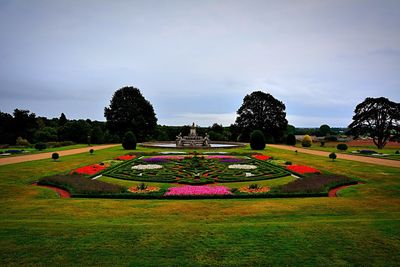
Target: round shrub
{"x": 91, "y": 151}
{"x": 332, "y": 156}
{"x": 22, "y": 142}
{"x": 291, "y": 140}
{"x": 129, "y": 141}
{"x": 397, "y": 152}
{"x": 257, "y": 140}
{"x": 55, "y": 156}
{"x": 342, "y": 147}
{"x": 306, "y": 141}
{"x": 40, "y": 146}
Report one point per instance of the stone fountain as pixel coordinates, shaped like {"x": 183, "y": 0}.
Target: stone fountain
{"x": 192, "y": 140}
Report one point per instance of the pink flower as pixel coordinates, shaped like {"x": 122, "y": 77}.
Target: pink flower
{"x": 198, "y": 190}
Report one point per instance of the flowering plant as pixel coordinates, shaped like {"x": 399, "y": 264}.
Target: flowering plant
{"x": 302, "y": 169}
{"x": 146, "y": 167}
{"x": 221, "y": 157}
{"x": 261, "y": 157}
{"x": 198, "y": 190}
{"x": 89, "y": 170}
{"x": 125, "y": 157}
{"x": 242, "y": 166}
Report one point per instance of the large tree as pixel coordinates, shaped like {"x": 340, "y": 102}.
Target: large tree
{"x": 130, "y": 111}
{"x": 378, "y": 118}
{"x": 261, "y": 111}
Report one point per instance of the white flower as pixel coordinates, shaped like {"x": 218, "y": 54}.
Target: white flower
{"x": 242, "y": 166}
{"x": 173, "y": 152}
{"x": 147, "y": 167}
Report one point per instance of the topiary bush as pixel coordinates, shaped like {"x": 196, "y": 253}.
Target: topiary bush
{"x": 129, "y": 141}
{"x": 257, "y": 140}
{"x": 91, "y": 151}
{"x": 342, "y": 147}
{"x": 307, "y": 141}
{"x": 55, "y": 156}
{"x": 291, "y": 140}
{"x": 40, "y": 146}
{"x": 22, "y": 142}
{"x": 332, "y": 156}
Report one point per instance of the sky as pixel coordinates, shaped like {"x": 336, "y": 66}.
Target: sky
{"x": 195, "y": 61}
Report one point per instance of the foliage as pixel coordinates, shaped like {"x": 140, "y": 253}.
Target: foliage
{"x": 22, "y": 142}
{"x": 91, "y": 151}
{"x": 324, "y": 130}
{"x": 55, "y": 156}
{"x": 331, "y": 138}
{"x": 77, "y": 184}
{"x": 46, "y": 134}
{"x": 262, "y": 111}
{"x": 257, "y": 140}
{"x": 332, "y": 156}
{"x": 97, "y": 135}
{"x": 291, "y": 140}
{"x": 315, "y": 183}
{"x": 377, "y": 117}
{"x": 307, "y": 141}
{"x": 342, "y": 147}
{"x": 40, "y": 146}
{"x": 76, "y": 131}
{"x": 130, "y": 111}
{"x": 129, "y": 141}
{"x": 62, "y": 120}
{"x": 322, "y": 143}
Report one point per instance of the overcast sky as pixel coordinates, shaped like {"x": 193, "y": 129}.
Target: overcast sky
{"x": 196, "y": 60}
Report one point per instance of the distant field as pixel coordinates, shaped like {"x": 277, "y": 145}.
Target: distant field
{"x": 359, "y": 228}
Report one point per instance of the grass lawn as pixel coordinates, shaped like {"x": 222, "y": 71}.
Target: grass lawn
{"x": 33, "y": 150}
{"x": 362, "y": 227}
{"x": 331, "y": 147}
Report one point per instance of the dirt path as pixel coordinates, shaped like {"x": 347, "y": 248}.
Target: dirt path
{"x": 384, "y": 162}
{"x": 47, "y": 155}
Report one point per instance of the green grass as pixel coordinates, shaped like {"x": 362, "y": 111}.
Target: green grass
{"x": 361, "y": 228}
{"x": 35, "y": 151}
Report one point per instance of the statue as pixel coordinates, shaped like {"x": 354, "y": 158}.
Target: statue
{"x": 193, "y": 130}
{"x": 206, "y": 140}
{"x": 179, "y": 140}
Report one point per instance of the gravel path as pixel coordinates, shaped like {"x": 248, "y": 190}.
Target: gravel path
{"x": 384, "y": 162}
{"x": 47, "y": 155}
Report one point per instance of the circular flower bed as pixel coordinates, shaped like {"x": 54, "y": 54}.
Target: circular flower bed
{"x": 302, "y": 169}
{"x": 147, "y": 167}
{"x": 188, "y": 190}
{"x": 242, "y": 166}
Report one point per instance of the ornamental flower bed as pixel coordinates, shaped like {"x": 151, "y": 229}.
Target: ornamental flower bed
{"x": 230, "y": 160}
{"x": 148, "y": 189}
{"x": 302, "y": 169}
{"x": 147, "y": 167}
{"x": 261, "y": 157}
{"x": 159, "y": 158}
{"x": 125, "y": 157}
{"x": 261, "y": 189}
{"x": 221, "y": 157}
{"x": 89, "y": 170}
{"x": 189, "y": 190}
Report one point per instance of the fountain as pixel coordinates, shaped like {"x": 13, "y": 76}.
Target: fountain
{"x": 192, "y": 140}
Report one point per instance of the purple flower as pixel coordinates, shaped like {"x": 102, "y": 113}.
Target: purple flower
{"x": 198, "y": 190}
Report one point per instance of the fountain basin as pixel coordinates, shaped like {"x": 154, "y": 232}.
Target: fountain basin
{"x": 213, "y": 145}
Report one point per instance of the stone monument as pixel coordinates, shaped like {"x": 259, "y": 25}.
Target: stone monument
{"x": 192, "y": 140}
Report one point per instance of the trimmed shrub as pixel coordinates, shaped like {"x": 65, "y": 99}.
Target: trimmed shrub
{"x": 55, "y": 156}
{"x": 322, "y": 143}
{"x": 342, "y": 147}
{"x": 397, "y": 152}
{"x": 91, "y": 151}
{"x": 22, "y": 142}
{"x": 332, "y": 156}
{"x": 307, "y": 141}
{"x": 291, "y": 140}
{"x": 257, "y": 140}
{"x": 368, "y": 152}
{"x": 129, "y": 141}
{"x": 40, "y": 146}
{"x": 331, "y": 138}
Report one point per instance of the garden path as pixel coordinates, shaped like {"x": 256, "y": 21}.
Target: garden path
{"x": 47, "y": 155}
{"x": 384, "y": 162}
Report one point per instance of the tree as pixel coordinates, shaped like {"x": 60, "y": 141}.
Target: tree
{"x": 7, "y": 135}
{"x": 63, "y": 120}
{"x": 376, "y": 117}
{"x": 291, "y": 140}
{"x": 76, "y": 131}
{"x": 130, "y": 111}
{"x": 129, "y": 141}
{"x": 324, "y": 130}
{"x": 24, "y": 123}
{"x": 307, "y": 141}
{"x": 97, "y": 135}
{"x": 257, "y": 140}
{"x": 262, "y": 111}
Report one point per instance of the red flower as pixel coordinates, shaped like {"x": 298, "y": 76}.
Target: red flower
{"x": 89, "y": 170}
{"x": 125, "y": 157}
{"x": 261, "y": 157}
{"x": 302, "y": 169}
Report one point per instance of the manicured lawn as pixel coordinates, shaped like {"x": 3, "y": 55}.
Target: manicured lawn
{"x": 331, "y": 147}
{"x": 35, "y": 151}
{"x": 362, "y": 227}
